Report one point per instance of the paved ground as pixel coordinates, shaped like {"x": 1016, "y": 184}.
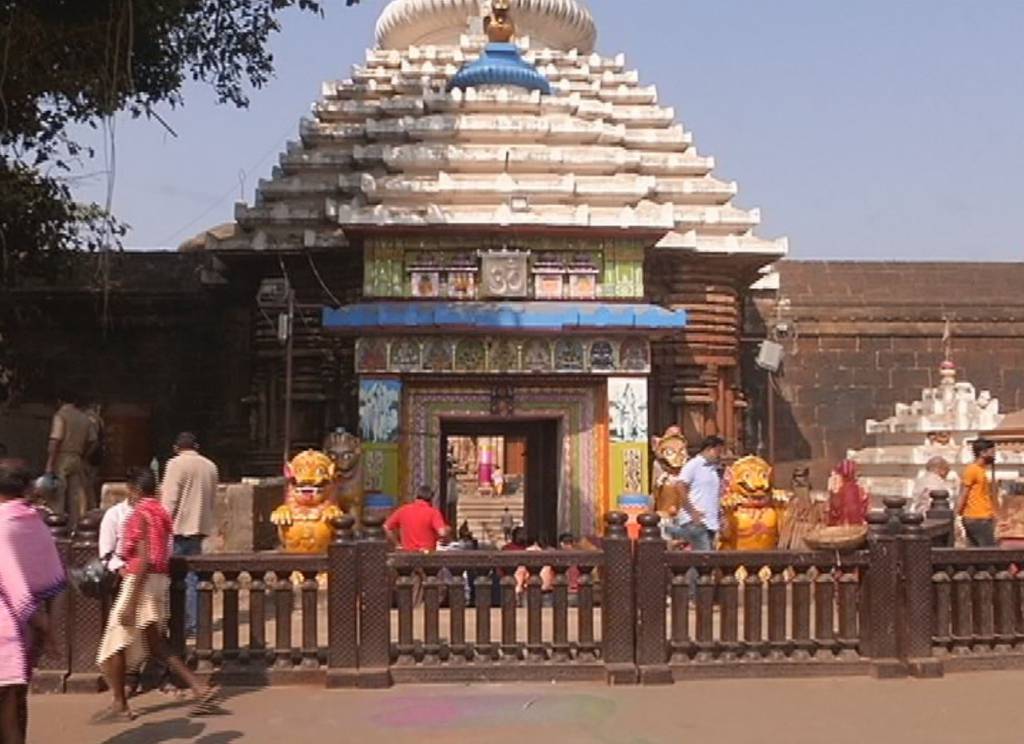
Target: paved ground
{"x": 975, "y": 708}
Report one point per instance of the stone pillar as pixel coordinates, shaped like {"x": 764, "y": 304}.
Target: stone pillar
{"x": 375, "y": 606}
{"x": 881, "y": 615}
{"x": 917, "y": 609}
{"x": 651, "y": 591}
{"x": 941, "y": 511}
{"x": 618, "y": 619}
{"x": 86, "y": 614}
{"x": 343, "y": 606}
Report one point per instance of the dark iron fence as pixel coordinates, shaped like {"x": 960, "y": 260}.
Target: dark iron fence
{"x": 365, "y": 616}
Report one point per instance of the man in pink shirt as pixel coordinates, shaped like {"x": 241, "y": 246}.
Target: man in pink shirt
{"x": 419, "y": 525}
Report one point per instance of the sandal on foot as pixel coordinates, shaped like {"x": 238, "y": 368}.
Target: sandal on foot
{"x": 110, "y": 714}
{"x": 206, "y": 704}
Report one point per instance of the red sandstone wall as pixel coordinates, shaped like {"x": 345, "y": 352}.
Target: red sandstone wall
{"x": 869, "y": 335}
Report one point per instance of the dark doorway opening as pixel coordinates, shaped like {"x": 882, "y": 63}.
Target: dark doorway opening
{"x": 530, "y": 462}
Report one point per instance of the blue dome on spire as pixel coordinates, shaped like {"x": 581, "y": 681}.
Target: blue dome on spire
{"x": 500, "y": 64}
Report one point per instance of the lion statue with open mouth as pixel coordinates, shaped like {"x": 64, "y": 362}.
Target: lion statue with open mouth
{"x": 305, "y": 522}
{"x": 752, "y": 509}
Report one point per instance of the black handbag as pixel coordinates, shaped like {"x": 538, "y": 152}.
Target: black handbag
{"x": 94, "y": 579}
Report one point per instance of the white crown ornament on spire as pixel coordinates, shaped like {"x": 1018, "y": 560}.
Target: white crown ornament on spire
{"x": 550, "y": 24}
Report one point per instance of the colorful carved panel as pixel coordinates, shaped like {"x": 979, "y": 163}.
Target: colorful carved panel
{"x": 479, "y": 355}
{"x": 635, "y": 356}
{"x": 437, "y": 355}
{"x": 537, "y": 356}
{"x": 467, "y": 269}
{"x": 569, "y": 355}
{"x": 503, "y": 356}
{"x": 471, "y": 355}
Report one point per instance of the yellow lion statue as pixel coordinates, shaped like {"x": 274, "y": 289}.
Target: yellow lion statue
{"x": 752, "y": 510}
{"x": 305, "y": 521}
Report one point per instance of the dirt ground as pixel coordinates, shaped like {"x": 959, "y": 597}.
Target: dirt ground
{"x": 976, "y": 708}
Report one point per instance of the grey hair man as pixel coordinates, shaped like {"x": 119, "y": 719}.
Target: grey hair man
{"x": 935, "y": 478}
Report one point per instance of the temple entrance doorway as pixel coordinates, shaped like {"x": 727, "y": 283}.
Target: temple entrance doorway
{"x": 490, "y": 466}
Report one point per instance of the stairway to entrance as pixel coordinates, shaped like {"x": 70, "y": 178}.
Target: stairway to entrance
{"x": 483, "y": 512}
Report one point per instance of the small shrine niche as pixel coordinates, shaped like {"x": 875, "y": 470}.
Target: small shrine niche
{"x": 442, "y": 275}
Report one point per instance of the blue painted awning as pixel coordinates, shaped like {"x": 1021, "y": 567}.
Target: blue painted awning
{"x": 511, "y": 316}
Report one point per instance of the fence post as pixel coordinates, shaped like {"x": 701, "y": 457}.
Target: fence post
{"x": 343, "y": 607}
{"x": 941, "y": 510}
{"x": 618, "y": 609}
{"x": 917, "y": 610}
{"x": 651, "y": 591}
{"x": 86, "y": 614}
{"x": 52, "y": 666}
{"x": 374, "y": 652}
{"x": 883, "y": 596}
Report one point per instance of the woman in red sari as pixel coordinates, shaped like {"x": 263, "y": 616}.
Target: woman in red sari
{"x": 847, "y": 500}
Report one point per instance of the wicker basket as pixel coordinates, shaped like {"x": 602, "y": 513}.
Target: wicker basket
{"x": 845, "y": 537}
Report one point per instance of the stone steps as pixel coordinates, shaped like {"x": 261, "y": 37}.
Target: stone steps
{"x": 484, "y": 514}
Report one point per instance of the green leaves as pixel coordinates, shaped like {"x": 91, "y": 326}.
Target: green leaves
{"x": 65, "y": 62}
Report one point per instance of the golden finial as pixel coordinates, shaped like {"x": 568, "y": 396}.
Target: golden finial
{"x": 498, "y": 26}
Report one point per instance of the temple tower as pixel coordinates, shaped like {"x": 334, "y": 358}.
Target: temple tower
{"x": 539, "y": 243}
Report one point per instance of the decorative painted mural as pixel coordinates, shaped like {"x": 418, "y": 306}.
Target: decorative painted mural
{"x": 379, "y": 407}
{"x": 538, "y": 270}
{"x": 628, "y": 434}
{"x": 627, "y": 409}
{"x": 485, "y": 355}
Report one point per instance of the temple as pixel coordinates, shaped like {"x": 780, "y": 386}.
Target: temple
{"x": 526, "y": 256}
{"x": 943, "y": 422}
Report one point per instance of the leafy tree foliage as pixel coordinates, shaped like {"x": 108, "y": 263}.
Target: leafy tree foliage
{"x": 73, "y": 62}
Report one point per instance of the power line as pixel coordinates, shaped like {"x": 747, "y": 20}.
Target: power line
{"x": 275, "y": 147}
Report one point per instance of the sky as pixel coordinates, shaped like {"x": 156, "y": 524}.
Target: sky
{"x": 863, "y": 130}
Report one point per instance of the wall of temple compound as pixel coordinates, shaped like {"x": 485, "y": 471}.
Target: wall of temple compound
{"x": 864, "y": 336}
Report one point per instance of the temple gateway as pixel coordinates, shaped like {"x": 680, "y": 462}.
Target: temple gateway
{"x": 530, "y": 268}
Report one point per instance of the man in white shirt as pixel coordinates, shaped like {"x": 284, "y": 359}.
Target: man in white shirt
{"x": 700, "y": 496}
{"x": 112, "y": 534}
{"x": 935, "y": 478}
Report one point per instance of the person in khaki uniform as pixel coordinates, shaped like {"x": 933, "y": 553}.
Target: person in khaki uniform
{"x": 73, "y": 436}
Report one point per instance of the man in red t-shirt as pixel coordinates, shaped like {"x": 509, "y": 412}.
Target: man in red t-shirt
{"x": 419, "y": 525}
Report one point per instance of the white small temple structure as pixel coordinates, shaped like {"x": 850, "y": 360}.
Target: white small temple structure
{"x": 943, "y": 422}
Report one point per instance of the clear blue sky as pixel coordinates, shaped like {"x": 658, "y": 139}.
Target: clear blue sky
{"x": 872, "y": 129}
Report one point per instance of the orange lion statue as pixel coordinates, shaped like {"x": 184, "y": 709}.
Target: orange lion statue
{"x": 752, "y": 509}
{"x": 305, "y": 521}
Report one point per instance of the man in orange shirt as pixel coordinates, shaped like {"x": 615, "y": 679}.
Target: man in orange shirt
{"x": 977, "y": 505}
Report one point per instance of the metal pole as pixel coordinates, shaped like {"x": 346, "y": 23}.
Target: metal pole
{"x": 289, "y": 345}
{"x": 771, "y": 417}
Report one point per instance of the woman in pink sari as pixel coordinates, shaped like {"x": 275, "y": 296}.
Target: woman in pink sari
{"x": 847, "y": 500}
{"x": 31, "y": 572}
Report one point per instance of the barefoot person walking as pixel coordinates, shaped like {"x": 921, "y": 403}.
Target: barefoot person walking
{"x": 139, "y": 616}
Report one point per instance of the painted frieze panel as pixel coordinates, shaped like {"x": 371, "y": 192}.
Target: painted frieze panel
{"x": 430, "y": 354}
